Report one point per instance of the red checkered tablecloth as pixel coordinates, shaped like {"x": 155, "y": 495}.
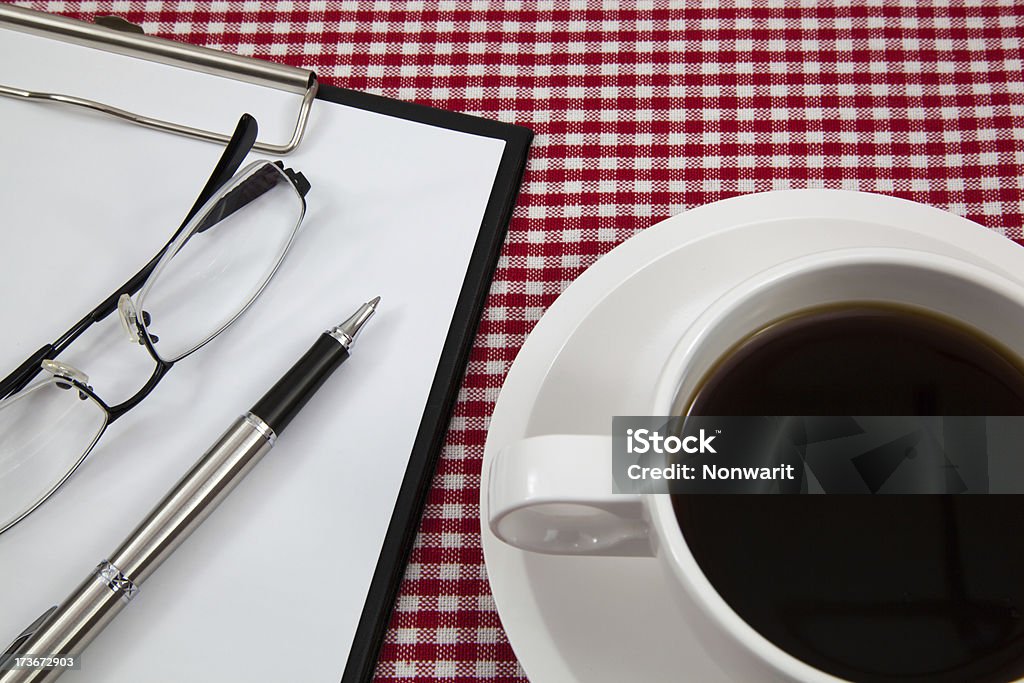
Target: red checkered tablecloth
{"x": 641, "y": 110}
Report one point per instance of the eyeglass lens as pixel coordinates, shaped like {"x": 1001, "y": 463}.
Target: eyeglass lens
{"x": 44, "y": 431}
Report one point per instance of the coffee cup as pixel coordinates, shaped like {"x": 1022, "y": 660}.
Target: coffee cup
{"x": 553, "y": 493}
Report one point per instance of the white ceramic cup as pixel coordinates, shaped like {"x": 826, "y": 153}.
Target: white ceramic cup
{"x": 553, "y": 493}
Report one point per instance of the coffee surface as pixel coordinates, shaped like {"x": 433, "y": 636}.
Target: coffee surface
{"x": 869, "y": 588}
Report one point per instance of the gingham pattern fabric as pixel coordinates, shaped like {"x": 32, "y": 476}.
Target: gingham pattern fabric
{"x": 641, "y": 110}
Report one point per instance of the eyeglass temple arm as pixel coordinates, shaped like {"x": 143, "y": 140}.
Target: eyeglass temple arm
{"x": 234, "y": 153}
{"x": 255, "y": 186}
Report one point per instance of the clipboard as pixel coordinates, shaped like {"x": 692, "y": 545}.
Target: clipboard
{"x": 429, "y": 438}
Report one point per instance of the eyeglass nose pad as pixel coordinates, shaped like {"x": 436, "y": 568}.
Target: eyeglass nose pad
{"x": 129, "y": 319}
{"x": 59, "y": 369}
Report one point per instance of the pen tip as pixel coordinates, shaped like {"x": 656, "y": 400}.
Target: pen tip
{"x": 347, "y": 331}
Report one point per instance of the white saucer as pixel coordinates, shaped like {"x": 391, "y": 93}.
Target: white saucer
{"x": 597, "y": 352}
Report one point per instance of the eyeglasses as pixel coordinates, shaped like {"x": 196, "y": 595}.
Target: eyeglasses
{"x": 215, "y": 265}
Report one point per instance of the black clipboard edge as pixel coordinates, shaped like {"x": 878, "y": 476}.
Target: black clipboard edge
{"x": 404, "y": 524}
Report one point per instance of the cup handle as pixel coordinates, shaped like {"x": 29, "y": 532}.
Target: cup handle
{"x": 553, "y": 494}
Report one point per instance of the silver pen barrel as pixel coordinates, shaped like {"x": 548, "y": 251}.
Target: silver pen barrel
{"x": 193, "y": 498}
{"x": 72, "y": 626}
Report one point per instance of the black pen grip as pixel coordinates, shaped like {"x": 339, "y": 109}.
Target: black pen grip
{"x": 286, "y": 398}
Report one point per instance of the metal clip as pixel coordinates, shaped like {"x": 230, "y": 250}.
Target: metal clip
{"x": 202, "y": 59}
{"x": 15, "y": 647}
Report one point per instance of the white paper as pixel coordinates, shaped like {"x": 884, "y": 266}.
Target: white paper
{"x": 271, "y": 586}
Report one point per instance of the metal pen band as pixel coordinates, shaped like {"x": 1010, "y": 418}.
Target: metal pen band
{"x": 260, "y": 426}
{"x": 114, "y": 579}
{"x": 196, "y": 58}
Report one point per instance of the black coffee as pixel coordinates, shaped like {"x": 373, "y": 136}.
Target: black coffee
{"x": 869, "y": 588}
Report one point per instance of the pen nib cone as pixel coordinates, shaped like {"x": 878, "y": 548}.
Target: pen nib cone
{"x": 350, "y": 328}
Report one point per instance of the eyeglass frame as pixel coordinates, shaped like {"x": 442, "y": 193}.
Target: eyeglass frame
{"x": 20, "y": 380}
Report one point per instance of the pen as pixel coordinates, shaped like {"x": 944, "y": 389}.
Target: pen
{"x": 66, "y": 629}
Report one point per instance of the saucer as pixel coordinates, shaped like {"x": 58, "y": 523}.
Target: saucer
{"x": 598, "y": 351}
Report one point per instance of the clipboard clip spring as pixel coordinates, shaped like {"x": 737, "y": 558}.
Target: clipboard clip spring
{"x": 124, "y": 38}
